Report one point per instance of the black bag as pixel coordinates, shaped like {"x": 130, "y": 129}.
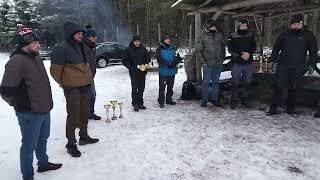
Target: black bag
{"x": 188, "y": 91}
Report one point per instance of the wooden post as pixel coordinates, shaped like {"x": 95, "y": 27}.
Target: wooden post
{"x": 190, "y": 38}
{"x": 226, "y": 26}
{"x": 197, "y": 35}
{"x": 159, "y": 32}
{"x": 118, "y": 37}
{"x": 137, "y": 29}
{"x": 262, "y": 35}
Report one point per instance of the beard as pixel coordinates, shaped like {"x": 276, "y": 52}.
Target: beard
{"x": 34, "y": 52}
{"x": 242, "y": 32}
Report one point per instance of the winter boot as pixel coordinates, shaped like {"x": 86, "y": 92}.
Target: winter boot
{"x": 72, "y": 149}
{"x": 136, "y": 108}
{"x": 272, "y": 111}
{"x": 161, "y": 106}
{"x": 317, "y": 115}
{"x": 141, "y": 106}
{"x": 87, "y": 140}
{"x": 95, "y": 117}
{"x": 204, "y": 104}
{"x": 49, "y": 167}
{"x": 170, "y": 102}
{"x": 217, "y": 103}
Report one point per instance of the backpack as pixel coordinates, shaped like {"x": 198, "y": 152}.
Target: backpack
{"x": 188, "y": 90}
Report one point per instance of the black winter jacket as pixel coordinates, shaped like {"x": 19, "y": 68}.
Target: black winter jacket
{"x": 290, "y": 48}
{"x": 134, "y": 56}
{"x": 241, "y": 43}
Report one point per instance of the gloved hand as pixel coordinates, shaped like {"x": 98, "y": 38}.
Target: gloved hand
{"x": 274, "y": 67}
{"x": 310, "y": 70}
{"x": 171, "y": 65}
{"x": 178, "y": 57}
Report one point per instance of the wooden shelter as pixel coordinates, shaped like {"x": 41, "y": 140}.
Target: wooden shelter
{"x": 255, "y": 8}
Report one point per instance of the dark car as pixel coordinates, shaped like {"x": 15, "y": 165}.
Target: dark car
{"x": 109, "y": 53}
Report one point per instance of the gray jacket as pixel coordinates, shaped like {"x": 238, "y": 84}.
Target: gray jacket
{"x": 210, "y": 49}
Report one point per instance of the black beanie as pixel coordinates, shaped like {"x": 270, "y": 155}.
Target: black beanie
{"x": 164, "y": 37}
{"x": 297, "y": 18}
{"x": 136, "y": 38}
{"x": 243, "y": 21}
{"x": 26, "y": 36}
{"x": 211, "y": 23}
{"x": 89, "y": 32}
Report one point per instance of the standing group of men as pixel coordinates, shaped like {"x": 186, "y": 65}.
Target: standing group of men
{"x": 26, "y": 87}
{"x": 25, "y": 84}
{"x": 289, "y": 56}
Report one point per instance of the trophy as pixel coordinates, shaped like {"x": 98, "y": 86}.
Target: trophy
{"x": 113, "y": 105}
{"x": 142, "y": 67}
{"x": 120, "y": 104}
{"x": 260, "y": 64}
{"x": 107, "y": 107}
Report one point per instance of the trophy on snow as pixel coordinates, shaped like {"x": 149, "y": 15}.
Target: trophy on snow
{"x": 120, "y": 104}
{"x": 113, "y": 106}
{"x": 107, "y": 107}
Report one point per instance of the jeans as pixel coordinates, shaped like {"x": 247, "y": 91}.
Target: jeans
{"x": 93, "y": 95}
{"x": 211, "y": 74}
{"x": 241, "y": 72}
{"x": 35, "y": 130}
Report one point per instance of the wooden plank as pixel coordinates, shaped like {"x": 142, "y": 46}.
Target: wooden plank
{"x": 236, "y": 5}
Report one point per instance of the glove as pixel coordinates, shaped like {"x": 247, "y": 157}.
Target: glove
{"x": 310, "y": 70}
{"x": 274, "y": 67}
{"x": 171, "y": 65}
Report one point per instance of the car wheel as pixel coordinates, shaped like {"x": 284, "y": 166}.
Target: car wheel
{"x": 102, "y": 62}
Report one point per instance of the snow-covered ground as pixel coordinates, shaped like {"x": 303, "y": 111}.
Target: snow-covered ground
{"x": 175, "y": 143}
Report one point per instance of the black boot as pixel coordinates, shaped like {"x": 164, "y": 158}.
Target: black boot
{"x": 30, "y": 178}
{"x": 233, "y": 105}
{"x": 204, "y": 104}
{"x": 136, "y": 108}
{"x": 95, "y": 117}
{"x": 161, "y": 105}
{"x": 272, "y": 111}
{"x": 49, "y": 167}
{"x": 170, "y": 102}
{"x": 217, "y": 103}
{"x": 72, "y": 149}
{"x": 245, "y": 104}
{"x": 87, "y": 140}
{"x": 317, "y": 115}
{"x": 141, "y": 106}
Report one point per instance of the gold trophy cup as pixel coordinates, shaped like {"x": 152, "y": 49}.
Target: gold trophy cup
{"x": 107, "y": 107}
{"x": 120, "y": 104}
{"x": 113, "y": 105}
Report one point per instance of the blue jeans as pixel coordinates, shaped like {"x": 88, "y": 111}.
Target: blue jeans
{"x": 211, "y": 74}
{"x": 93, "y": 95}
{"x": 241, "y": 72}
{"x": 35, "y": 130}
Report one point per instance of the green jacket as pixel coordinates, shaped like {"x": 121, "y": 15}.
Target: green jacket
{"x": 210, "y": 49}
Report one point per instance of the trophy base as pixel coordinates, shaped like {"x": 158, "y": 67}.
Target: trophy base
{"x": 114, "y": 118}
{"x": 108, "y": 121}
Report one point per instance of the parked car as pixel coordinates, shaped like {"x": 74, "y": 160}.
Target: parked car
{"x": 109, "y": 53}
{"x": 44, "y": 52}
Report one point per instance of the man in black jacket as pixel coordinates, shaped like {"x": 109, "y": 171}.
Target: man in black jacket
{"x": 135, "y": 56}
{"x": 289, "y": 55}
{"x": 90, "y": 39}
{"x": 242, "y": 45}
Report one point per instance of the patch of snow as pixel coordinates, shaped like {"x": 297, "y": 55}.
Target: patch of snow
{"x": 177, "y": 142}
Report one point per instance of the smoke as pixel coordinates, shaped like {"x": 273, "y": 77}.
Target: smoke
{"x": 98, "y": 13}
